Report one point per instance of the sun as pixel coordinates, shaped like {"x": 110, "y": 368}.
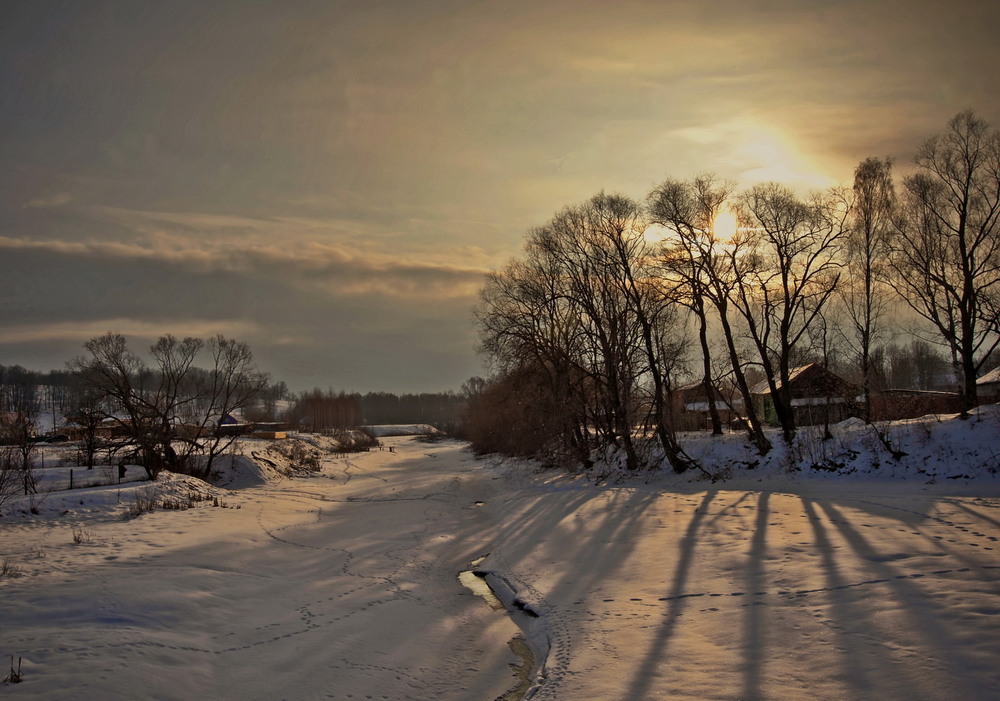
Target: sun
{"x": 724, "y": 226}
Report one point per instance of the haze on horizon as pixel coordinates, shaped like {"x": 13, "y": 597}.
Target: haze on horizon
{"x": 329, "y": 181}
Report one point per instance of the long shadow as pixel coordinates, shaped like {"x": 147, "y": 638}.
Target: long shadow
{"x": 925, "y": 524}
{"x": 522, "y": 535}
{"x": 612, "y": 543}
{"x": 973, "y": 513}
{"x": 951, "y": 548}
{"x": 658, "y": 649}
{"x": 855, "y": 671}
{"x": 754, "y": 652}
{"x": 450, "y": 508}
{"x": 917, "y": 606}
{"x": 745, "y": 496}
{"x": 603, "y": 544}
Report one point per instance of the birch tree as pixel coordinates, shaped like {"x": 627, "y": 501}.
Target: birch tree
{"x": 947, "y": 261}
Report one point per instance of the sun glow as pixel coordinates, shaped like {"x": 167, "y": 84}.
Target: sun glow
{"x": 750, "y": 151}
{"x": 724, "y": 226}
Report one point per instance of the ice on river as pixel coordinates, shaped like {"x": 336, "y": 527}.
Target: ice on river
{"x": 344, "y": 585}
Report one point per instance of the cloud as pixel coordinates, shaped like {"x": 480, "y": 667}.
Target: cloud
{"x": 312, "y": 314}
{"x": 337, "y": 269}
{"x": 58, "y": 199}
{"x": 83, "y": 330}
{"x": 334, "y": 178}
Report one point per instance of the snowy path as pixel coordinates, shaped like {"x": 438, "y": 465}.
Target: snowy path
{"x": 343, "y": 586}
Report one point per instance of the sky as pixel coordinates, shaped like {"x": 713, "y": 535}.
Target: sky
{"x": 330, "y": 181}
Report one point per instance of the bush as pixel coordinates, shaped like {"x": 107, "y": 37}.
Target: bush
{"x": 516, "y": 416}
{"x": 355, "y": 441}
{"x": 9, "y": 569}
{"x": 10, "y": 480}
{"x": 142, "y": 500}
{"x": 299, "y": 455}
{"x": 82, "y": 536}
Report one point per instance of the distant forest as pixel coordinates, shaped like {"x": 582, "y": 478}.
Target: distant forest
{"x": 180, "y": 410}
{"x": 317, "y": 410}
{"x": 58, "y": 392}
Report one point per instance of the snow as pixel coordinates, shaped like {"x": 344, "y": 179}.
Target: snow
{"x": 389, "y": 430}
{"x": 868, "y": 577}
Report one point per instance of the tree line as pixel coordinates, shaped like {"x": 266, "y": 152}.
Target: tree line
{"x": 169, "y": 413}
{"x": 319, "y": 410}
{"x": 614, "y": 301}
{"x": 163, "y": 415}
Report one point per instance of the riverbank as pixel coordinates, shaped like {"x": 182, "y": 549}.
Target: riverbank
{"x": 344, "y": 584}
{"x": 338, "y": 585}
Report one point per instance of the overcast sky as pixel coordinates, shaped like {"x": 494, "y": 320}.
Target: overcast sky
{"x": 329, "y": 181}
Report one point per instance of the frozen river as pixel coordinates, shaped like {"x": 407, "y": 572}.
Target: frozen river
{"x": 345, "y": 586}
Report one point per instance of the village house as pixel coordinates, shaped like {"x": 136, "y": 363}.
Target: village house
{"x": 988, "y": 387}
{"x": 691, "y": 407}
{"x": 896, "y": 404}
{"x": 818, "y": 396}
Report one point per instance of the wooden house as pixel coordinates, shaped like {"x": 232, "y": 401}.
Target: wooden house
{"x": 896, "y": 404}
{"x": 690, "y": 407}
{"x": 818, "y": 396}
{"x": 988, "y": 387}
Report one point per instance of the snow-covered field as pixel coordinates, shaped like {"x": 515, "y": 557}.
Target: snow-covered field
{"x": 878, "y": 581}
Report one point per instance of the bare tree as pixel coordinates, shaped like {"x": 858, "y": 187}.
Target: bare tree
{"x": 169, "y": 394}
{"x": 528, "y": 328}
{"x": 18, "y": 387}
{"x": 588, "y": 266}
{"x": 473, "y": 387}
{"x": 153, "y": 405}
{"x": 947, "y": 263}
{"x": 866, "y": 290}
{"x": 17, "y": 436}
{"x": 11, "y": 481}
{"x": 916, "y": 365}
{"x": 117, "y": 374}
{"x": 320, "y": 410}
{"x": 230, "y": 385}
{"x": 19, "y": 407}
{"x": 583, "y": 312}
{"x": 786, "y": 268}
{"x": 88, "y": 414}
{"x": 702, "y": 265}
{"x": 619, "y": 222}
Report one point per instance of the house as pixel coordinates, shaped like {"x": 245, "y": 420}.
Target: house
{"x": 690, "y": 407}
{"x": 818, "y": 396}
{"x": 988, "y": 387}
{"x": 896, "y": 404}
{"x": 229, "y": 425}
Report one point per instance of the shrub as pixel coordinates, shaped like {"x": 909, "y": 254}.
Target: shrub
{"x": 143, "y": 499}
{"x": 300, "y": 456}
{"x": 82, "y": 536}
{"x": 9, "y": 569}
{"x": 10, "y": 479}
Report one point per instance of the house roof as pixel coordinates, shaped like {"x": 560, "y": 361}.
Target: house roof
{"x": 691, "y": 385}
{"x": 814, "y": 369}
{"x": 990, "y": 377}
{"x": 763, "y": 388}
